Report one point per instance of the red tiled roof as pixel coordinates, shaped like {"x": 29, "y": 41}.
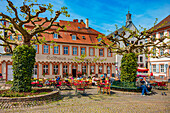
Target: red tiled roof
{"x": 160, "y": 26}
{"x": 73, "y": 28}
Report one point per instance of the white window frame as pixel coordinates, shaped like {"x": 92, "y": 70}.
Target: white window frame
{"x": 108, "y": 69}
{"x": 154, "y": 52}
{"x": 74, "y": 50}
{"x": 11, "y": 38}
{"x": 83, "y": 69}
{"x": 100, "y": 69}
{"x": 46, "y": 49}
{"x": 55, "y": 36}
{"x": 154, "y": 68}
{"x": 73, "y": 37}
{"x": 140, "y": 58}
{"x": 36, "y": 48}
{"x": 65, "y": 69}
{"x": 101, "y": 52}
{"x": 109, "y": 53}
{"x": 83, "y": 51}
{"x": 66, "y": 50}
{"x": 91, "y": 51}
{"x": 56, "y": 50}
{"x": 19, "y": 37}
{"x": 161, "y": 34}
{"x": 91, "y": 69}
{"x": 161, "y": 51}
{"x": 45, "y": 69}
{"x": 162, "y": 68}
{"x": 35, "y": 69}
{"x": 55, "y": 69}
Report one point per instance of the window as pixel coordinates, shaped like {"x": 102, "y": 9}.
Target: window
{"x": 56, "y": 49}
{"x": 141, "y": 43}
{"x": 66, "y": 50}
{"x": 83, "y": 69}
{"x": 65, "y": 69}
{"x": 161, "y": 34}
{"x": 19, "y": 37}
{"x": 154, "y": 52}
{"x": 75, "y": 51}
{"x": 55, "y": 69}
{"x": 46, "y": 47}
{"x": 35, "y": 70}
{"x": 73, "y": 37}
{"x": 100, "y": 69}
{"x": 108, "y": 69}
{"x": 11, "y": 38}
{"x": 162, "y": 77}
{"x": 109, "y": 53}
{"x": 91, "y": 51}
{"x": 7, "y": 49}
{"x": 92, "y": 69}
{"x": 101, "y": 52}
{"x": 154, "y": 37}
{"x": 141, "y": 59}
{"x": 154, "y": 68}
{"x": 83, "y": 51}
{"x": 36, "y": 48}
{"x": 83, "y": 37}
{"x": 161, "y": 51}
{"x": 132, "y": 42}
{"x": 45, "y": 69}
{"x": 162, "y": 68}
{"x": 141, "y": 65}
{"x": 55, "y": 36}
{"x": 99, "y": 39}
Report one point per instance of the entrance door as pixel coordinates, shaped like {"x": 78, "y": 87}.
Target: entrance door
{"x": 35, "y": 71}
{"x": 10, "y": 72}
{"x": 74, "y": 72}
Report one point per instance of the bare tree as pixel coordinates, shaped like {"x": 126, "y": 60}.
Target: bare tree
{"x": 18, "y": 17}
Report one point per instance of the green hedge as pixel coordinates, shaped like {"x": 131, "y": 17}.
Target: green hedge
{"x": 23, "y": 63}
{"x": 129, "y": 67}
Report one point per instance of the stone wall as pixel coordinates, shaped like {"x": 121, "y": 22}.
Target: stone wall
{"x": 19, "y": 102}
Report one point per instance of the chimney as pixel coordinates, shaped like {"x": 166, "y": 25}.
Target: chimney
{"x": 87, "y": 23}
{"x": 75, "y": 20}
{"x": 81, "y": 20}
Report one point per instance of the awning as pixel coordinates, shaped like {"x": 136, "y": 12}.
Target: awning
{"x": 142, "y": 69}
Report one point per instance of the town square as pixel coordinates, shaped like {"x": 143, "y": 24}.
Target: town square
{"x": 84, "y": 56}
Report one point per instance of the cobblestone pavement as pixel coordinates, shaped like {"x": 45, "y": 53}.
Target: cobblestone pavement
{"x": 92, "y": 102}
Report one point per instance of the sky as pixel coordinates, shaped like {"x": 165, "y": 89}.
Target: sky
{"x": 104, "y": 14}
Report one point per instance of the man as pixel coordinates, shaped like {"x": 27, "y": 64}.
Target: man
{"x": 140, "y": 83}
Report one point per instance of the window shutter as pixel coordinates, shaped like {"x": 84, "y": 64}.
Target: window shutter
{"x": 150, "y": 68}
{"x": 165, "y": 69}
{"x": 157, "y": 68}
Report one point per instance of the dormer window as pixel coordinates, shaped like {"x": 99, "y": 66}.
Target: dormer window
{"x": 19, "y": 37}
{"x": 11, "y": 38}
{"x": 83, "y": 37}
{"x": 73, "y": 37}
{"x": 55, "y": 36}
{"x": 99, "y": 39}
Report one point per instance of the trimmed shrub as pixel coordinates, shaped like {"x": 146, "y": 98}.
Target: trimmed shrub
{"x": 129, "y": 67}
{"x": 23, "y": 63}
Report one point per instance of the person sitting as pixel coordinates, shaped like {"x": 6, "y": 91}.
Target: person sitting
{"x": 140, "y": 83}
{"x": 47, "y": 83}
{"x": 93, "y": 81}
